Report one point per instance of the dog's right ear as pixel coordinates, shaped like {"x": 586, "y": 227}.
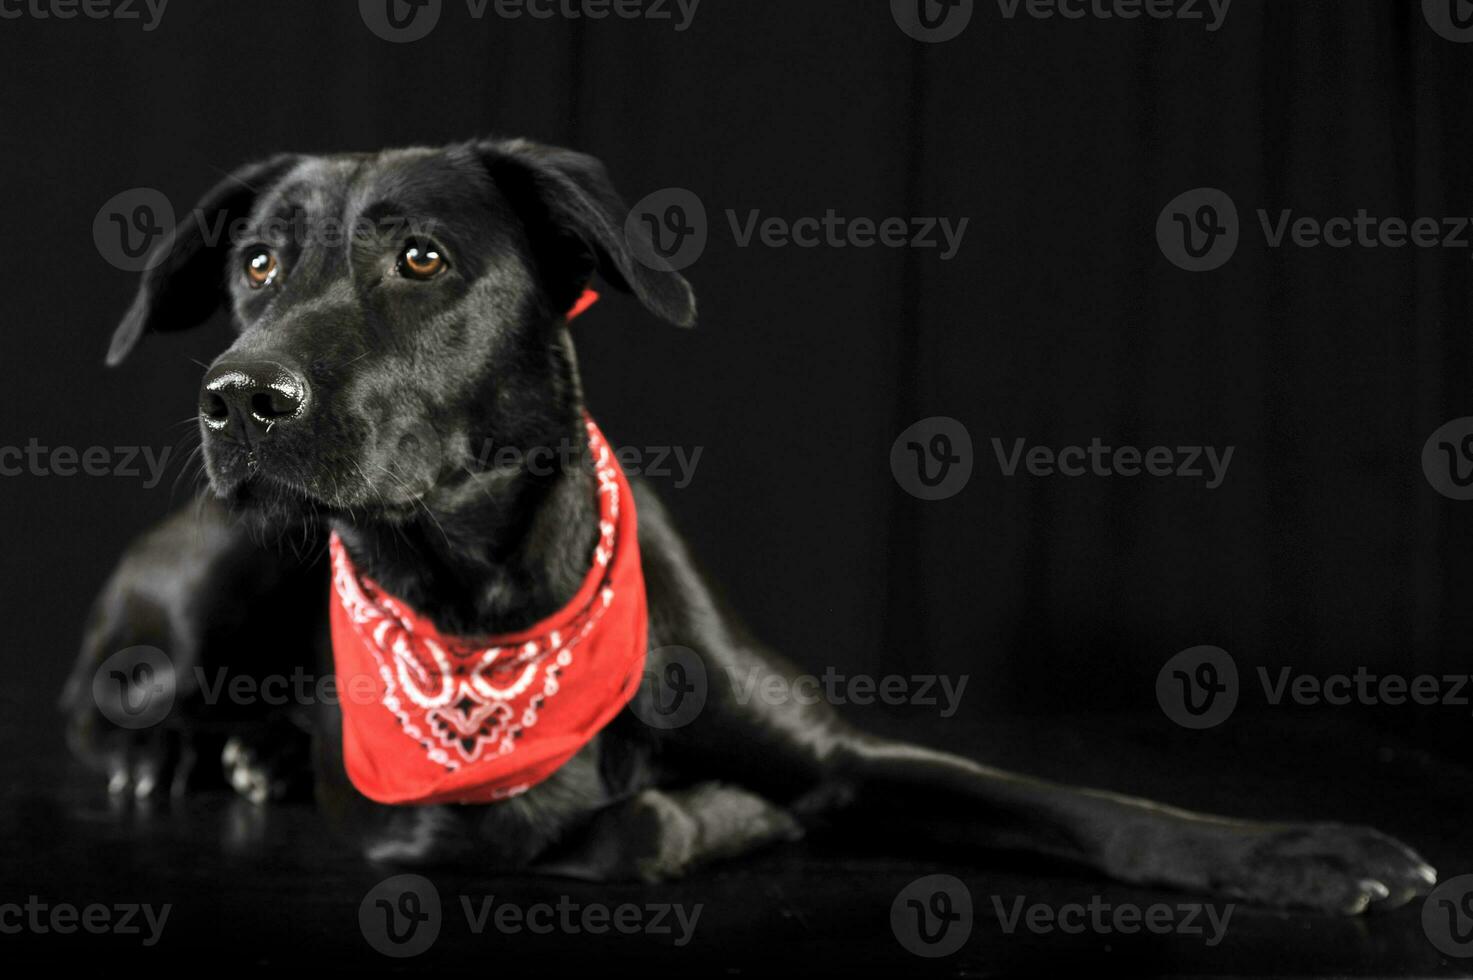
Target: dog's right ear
{"x": 184, "y": 281}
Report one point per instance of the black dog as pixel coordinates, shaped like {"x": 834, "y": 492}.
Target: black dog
{"x": 450, "y": 315}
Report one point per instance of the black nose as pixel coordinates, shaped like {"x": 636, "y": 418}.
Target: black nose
{"x": 256, "y": 395}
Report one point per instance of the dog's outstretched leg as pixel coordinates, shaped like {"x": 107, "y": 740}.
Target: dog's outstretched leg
{"x": 801, "y": 752}
{"x": 1323, "y": 866}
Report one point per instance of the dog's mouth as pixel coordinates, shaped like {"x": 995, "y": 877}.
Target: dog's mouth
{"x": 276, "y": 486}
{"x": 263, "y": 480}
{"x": 269, "y": 498}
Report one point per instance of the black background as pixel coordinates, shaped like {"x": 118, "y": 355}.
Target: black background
{"x": 1058, "y": 321}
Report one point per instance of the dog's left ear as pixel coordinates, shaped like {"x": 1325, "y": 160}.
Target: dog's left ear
{"x": 184, "y": 282}
{"x": 577, "y": 221}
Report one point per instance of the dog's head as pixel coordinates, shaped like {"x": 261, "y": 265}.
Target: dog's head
{"x": 396, "y": 314}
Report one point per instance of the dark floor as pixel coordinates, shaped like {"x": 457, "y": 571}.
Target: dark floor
{"x": 271, "y": 887}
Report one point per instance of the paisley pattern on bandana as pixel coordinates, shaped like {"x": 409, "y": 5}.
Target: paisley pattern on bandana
{"x": 462, "y": 701}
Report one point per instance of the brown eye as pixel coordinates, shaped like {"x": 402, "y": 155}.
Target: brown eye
{"x": 260, "y": 267}
{"x": 421, "y": 260}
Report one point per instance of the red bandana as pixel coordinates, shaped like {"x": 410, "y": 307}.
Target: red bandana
{"x": 429, "y": 718}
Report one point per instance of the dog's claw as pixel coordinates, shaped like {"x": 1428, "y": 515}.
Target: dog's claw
{"x": 144, "y": 787}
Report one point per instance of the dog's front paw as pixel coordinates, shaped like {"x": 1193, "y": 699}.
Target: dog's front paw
{"x": 145, "y": 765}
{"x": 269, "y": 765}
{"x": 121, "y": 718}
{"x": 661, "y": 840}
{"x": 1325, "y": 867}
{"x": 660, "y": 835}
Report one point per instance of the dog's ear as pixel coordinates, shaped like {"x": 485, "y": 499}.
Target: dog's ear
{"x": 184, "y": 281}
{"x": 578, "y": 225}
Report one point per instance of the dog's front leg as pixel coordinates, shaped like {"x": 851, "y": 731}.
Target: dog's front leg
{"x": 190, "y": 646}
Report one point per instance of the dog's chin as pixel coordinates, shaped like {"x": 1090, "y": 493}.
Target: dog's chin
{"x": 267, "y": 501}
